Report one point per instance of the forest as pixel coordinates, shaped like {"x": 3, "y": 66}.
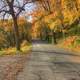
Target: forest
{"x": 54, "y": 21}
{"x": 39, "y": 39}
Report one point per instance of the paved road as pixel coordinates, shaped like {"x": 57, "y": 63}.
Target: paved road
{"x": 49, "y": 63}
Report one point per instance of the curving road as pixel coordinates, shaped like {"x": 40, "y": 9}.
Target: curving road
{"x": 49, "y": 63}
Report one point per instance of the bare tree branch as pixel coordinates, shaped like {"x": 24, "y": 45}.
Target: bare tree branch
{"x": 6, "y": 11}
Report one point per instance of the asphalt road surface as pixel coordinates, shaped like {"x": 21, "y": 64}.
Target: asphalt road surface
{"x": 47, "y": 62}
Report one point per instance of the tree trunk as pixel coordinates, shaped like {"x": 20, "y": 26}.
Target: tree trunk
{"x": 16, "y": 32}
{"x": 54, "y": 36}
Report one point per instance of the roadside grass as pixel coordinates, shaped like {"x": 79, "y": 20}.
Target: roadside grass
{"x": 71, "y": 43}
{"x": 25, "y": 48}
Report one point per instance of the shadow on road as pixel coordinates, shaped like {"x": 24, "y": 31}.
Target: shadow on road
{"x": 39, "y": 42}
{"x": 55, "y": 52}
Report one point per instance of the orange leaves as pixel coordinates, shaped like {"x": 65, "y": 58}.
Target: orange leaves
{"x": 8, "y": 24}
{"x": 37, "y": 13}
{"x": 21, "y": 21}
{"x": 71, "y": 43}
{"x": 70, "y": 40}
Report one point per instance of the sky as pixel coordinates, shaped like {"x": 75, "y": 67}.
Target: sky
{"x": 29, "y": 7}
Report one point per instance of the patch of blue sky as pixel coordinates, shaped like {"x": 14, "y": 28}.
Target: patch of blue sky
{"x": 30, "y": 7}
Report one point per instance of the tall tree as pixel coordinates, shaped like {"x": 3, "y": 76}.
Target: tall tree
{"x": 13, "y": 8}
{"x": 46, "y": 4}
{"x": 77, "y": 8}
